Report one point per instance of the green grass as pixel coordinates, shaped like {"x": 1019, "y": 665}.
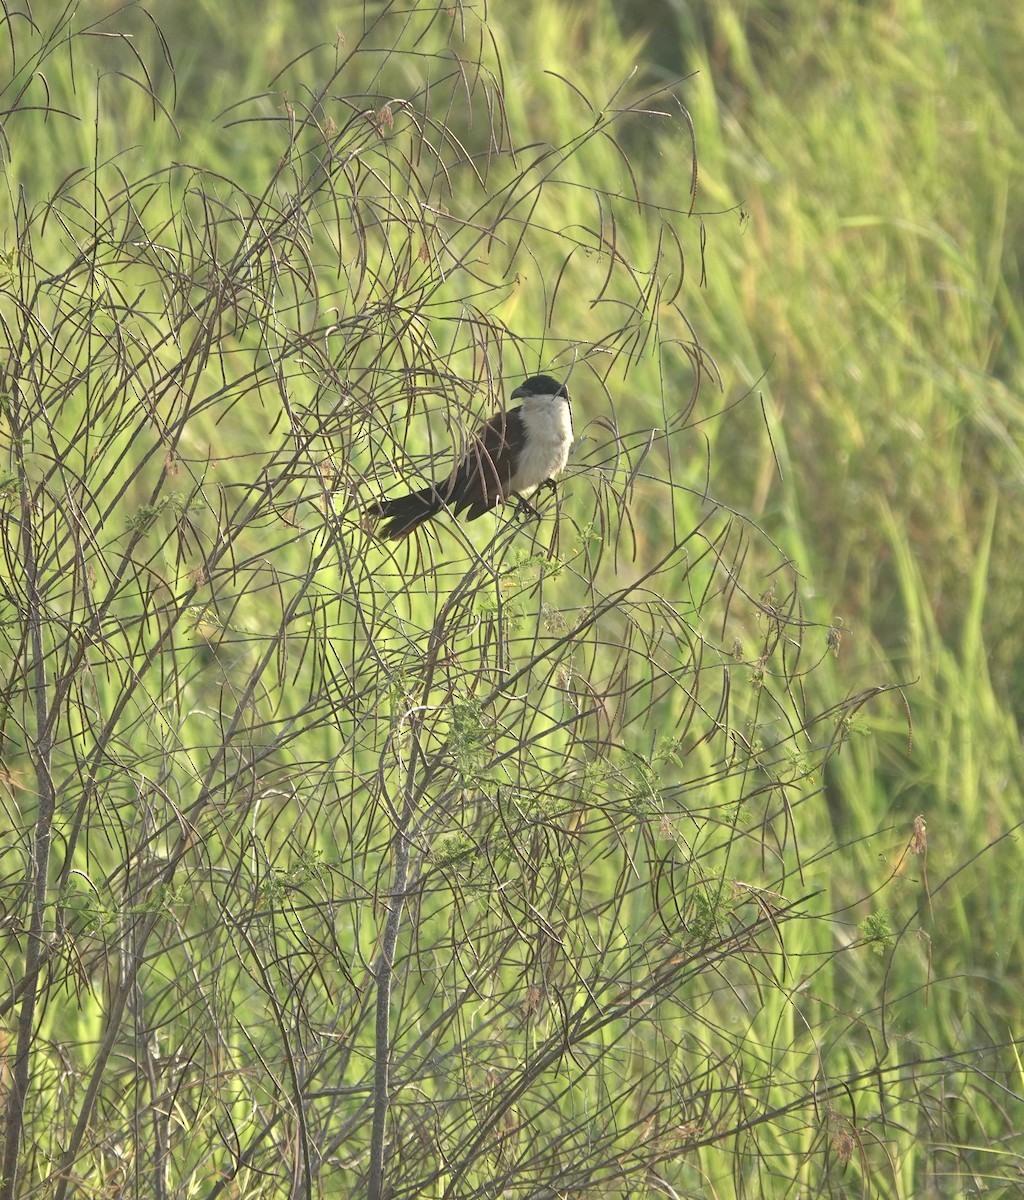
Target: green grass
{"x": 860, "y": 191}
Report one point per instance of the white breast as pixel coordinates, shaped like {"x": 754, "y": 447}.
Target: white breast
{"x": 548, "y": 424}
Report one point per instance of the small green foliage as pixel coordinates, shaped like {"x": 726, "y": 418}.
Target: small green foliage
{"x": 519, "y": 577}
{"x": 181, "y": 504}
{"x": 270, "y": 891}
{"x": 877, "y": 931}
{"x": 596, "y": 772}
{"x": 524, "y": 561}
{"x": 273, "y": 888}
{"x": 468, "y": 738}
{"x": 704, "y": 913}
{"x": 453, "y": 850}
{"x": 309, "y": 866}
{"x": 851, "y": 725}
{"x": 669, "y": 751}
{"x": 486, "y": 604}
{"x": 505, "y": 601}
{"x": 176, "y": 503}
{"x": 590, "y": 541}
{"x": 84, "y": 909}
{"x": 167, "y": 896}
{"x": 143, "y": 517}
{"x": 644, "y": 797}
{"x": 801, "y": 764}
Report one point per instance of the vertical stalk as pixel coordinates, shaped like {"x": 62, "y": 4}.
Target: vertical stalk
{"x": 41, "y": 750}
{"x": 382, "y": 1030}
{"x": 385, "y": 967}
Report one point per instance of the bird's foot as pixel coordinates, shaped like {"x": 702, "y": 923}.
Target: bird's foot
{"x": 524, "y": 509}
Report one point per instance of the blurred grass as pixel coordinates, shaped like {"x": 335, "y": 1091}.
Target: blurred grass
{"x": 876, "y": 276}
{"x": 861, "y": 180}
{"x": 875, "y": 154}
{"x": 872, "y": 163}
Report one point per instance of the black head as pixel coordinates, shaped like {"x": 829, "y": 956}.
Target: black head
{"x": 540, "y": 385}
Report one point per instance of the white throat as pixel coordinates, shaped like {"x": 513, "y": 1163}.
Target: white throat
{"x": 547, "y": 422}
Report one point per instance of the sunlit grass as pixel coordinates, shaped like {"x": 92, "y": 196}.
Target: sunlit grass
{"x": 861, "y": 278}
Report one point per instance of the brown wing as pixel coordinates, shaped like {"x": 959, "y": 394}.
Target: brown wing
{"x": 481, "y": 480}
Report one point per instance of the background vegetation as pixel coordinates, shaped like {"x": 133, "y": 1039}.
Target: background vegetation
{"x": 602, "y": 856}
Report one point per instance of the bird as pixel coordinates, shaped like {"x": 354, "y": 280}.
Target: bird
{"x": 512, "y": 455}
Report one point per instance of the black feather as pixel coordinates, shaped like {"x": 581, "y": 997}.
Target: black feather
{"x": 479, "y": 482}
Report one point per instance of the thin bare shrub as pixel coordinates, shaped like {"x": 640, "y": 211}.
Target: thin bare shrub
{"x": 468, "y": 866}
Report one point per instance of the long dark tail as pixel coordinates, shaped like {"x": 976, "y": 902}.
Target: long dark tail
{"x": 406, "y": 513}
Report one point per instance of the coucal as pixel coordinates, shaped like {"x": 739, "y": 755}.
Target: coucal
{"x": 512, "y": 455}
